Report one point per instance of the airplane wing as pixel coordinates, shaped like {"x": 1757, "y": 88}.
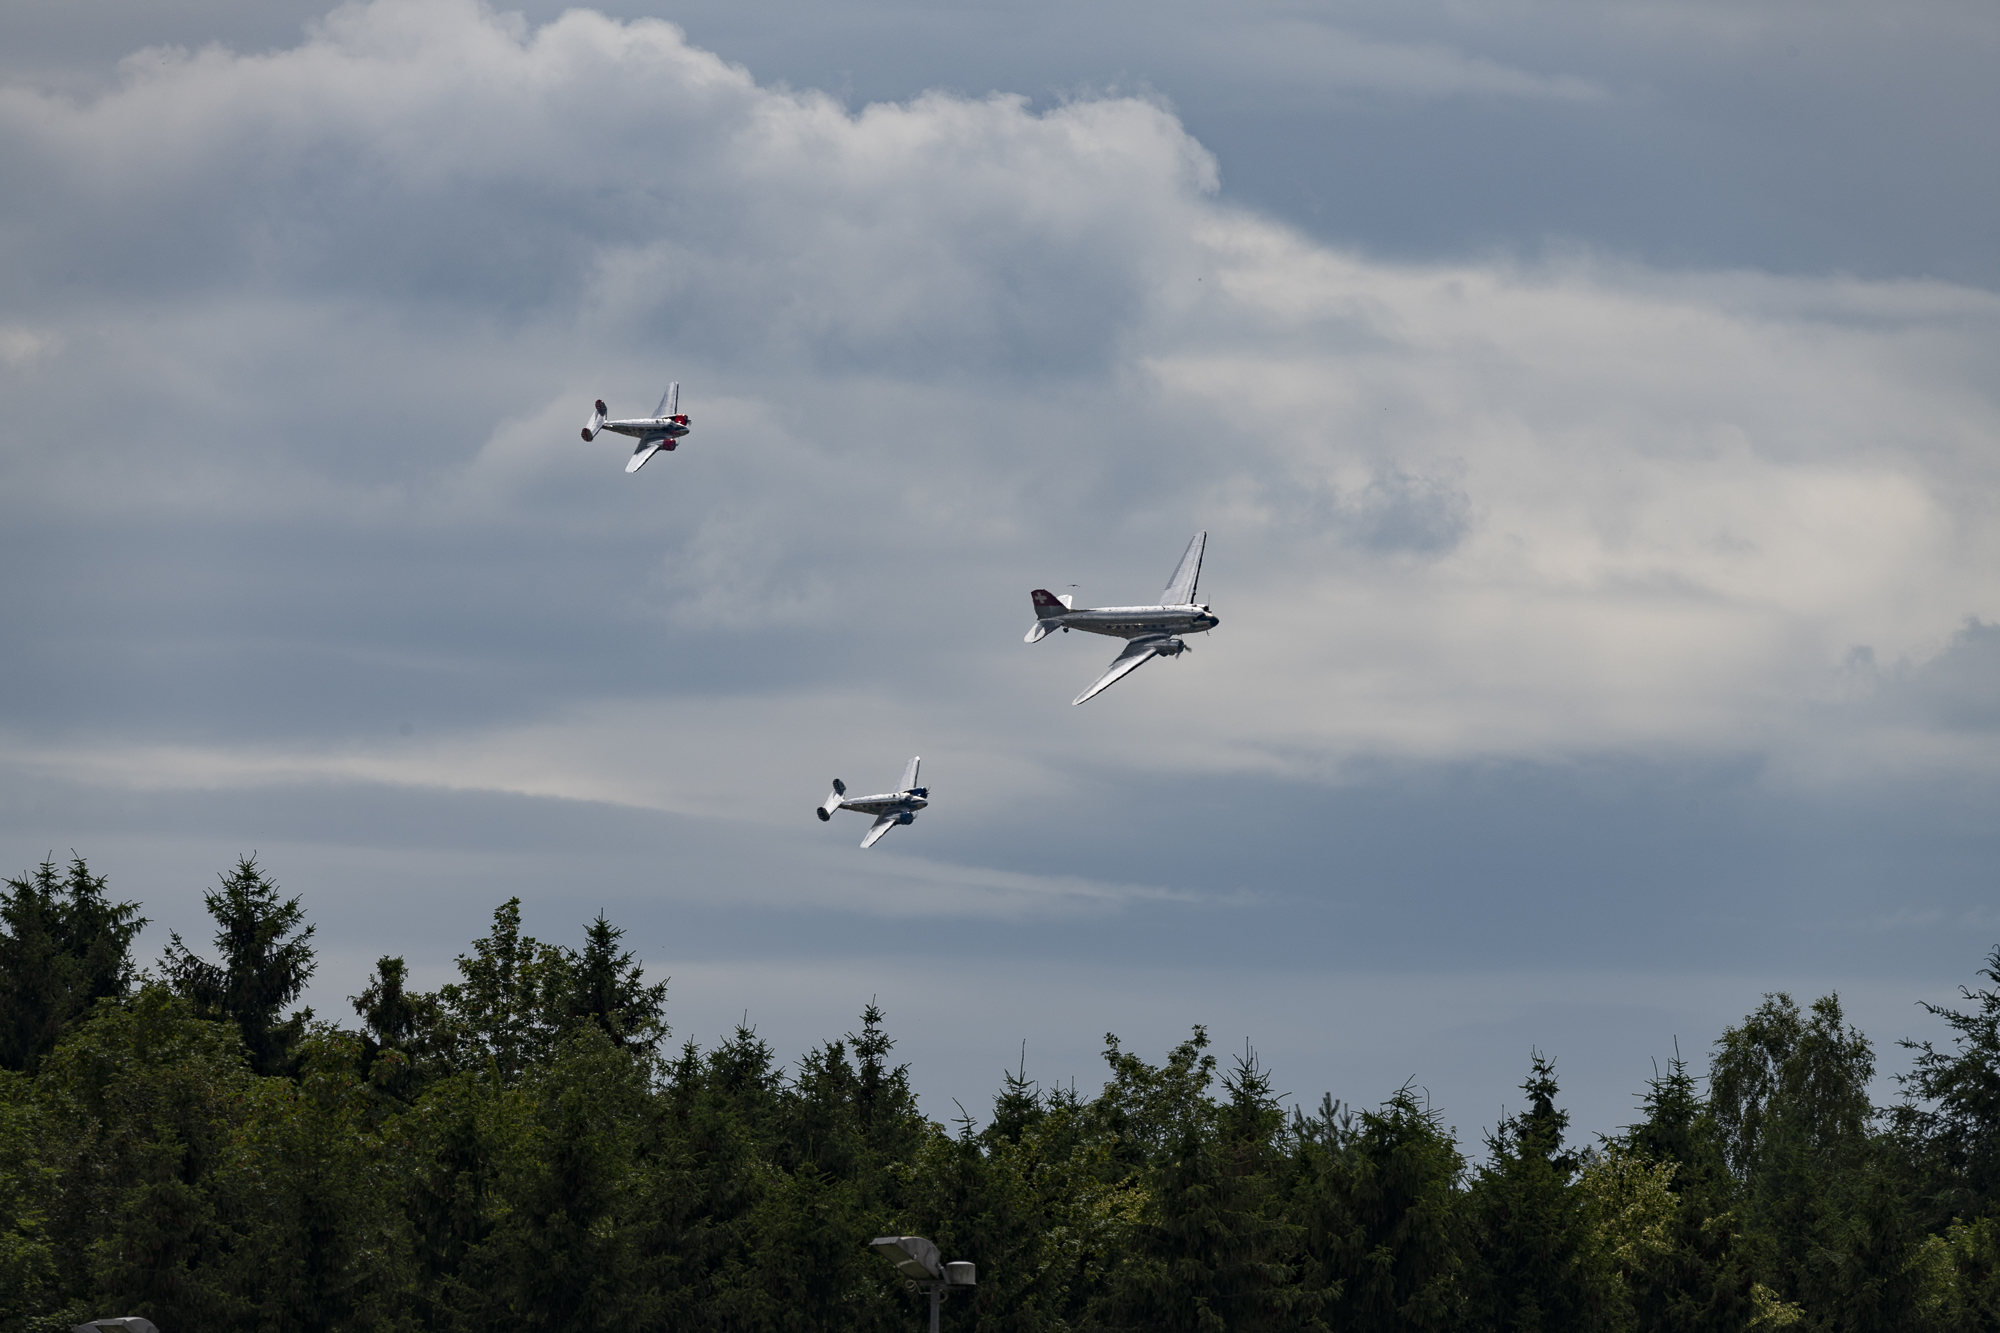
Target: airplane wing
{"x": 882, "y": 824}
{"x": 910, "y": 774}
{"x": 646, "y": 449}
{"x": 1135, "y": 655}
{"x": 670, "y": 401}
{"x": 1180, "y": 588}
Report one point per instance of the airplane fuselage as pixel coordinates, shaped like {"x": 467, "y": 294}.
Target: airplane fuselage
{"x": 1133, "y": 622}
{"x": 889, "y": 803}
{"x": 651, "y": 428}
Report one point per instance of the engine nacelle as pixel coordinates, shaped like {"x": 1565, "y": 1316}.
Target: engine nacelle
{"x": 1171, "y": 648}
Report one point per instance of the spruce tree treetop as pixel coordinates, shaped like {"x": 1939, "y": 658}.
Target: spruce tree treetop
{"x": 266, "y": 961}
{"x": 607, "y": 988}
{"x": 63, "y": 947}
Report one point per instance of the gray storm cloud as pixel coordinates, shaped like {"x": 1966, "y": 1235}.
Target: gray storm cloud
{"x": 1539, "y": 579}
{"x": 352, "y": 294}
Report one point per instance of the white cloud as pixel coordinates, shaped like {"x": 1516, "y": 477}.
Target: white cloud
{"x": 939, "y": 352}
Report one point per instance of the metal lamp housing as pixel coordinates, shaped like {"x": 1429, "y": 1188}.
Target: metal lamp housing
{"x": 914, "y": 1257}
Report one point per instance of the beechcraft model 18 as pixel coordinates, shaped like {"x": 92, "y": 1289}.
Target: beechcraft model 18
{"x": 662, "y": 430}
{"x": 890, "y": 808}
{"x": 1150, "y": 629}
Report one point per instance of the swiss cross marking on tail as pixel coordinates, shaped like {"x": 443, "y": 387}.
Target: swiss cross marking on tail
{"x": 1047, "y": 603}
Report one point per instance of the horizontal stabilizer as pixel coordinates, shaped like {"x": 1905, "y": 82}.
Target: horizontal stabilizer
{"x": 832, "y": 801}
{"x": 596, "y": 422}
{"x": 1041, "y": 630}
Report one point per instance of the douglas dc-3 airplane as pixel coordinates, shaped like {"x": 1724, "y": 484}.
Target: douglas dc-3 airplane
{"x": 662, "y": 430}
{"x": 890, "y": 808}
{"x": 1151, "y": 629}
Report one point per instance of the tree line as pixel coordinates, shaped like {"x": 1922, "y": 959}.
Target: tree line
{"x": 523, "y": 1148}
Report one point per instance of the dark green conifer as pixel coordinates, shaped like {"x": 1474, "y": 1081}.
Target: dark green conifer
{"x": 1949, "y": 1121}
{"x": 1534, "y": 1263}
{"x": 607, "y": 989}
{"x": 63, "y": 947}
{"x": 1379, "y": 1194}
{"x": 266, "y": 961}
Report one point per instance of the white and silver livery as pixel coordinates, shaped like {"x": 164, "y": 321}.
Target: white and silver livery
{"x": 1152, "y": 630}
{"x": 890, "y": 808}
{"x": 662, "y": 430}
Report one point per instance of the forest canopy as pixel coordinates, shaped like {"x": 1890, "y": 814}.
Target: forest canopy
{"x": 525, "y": 1147}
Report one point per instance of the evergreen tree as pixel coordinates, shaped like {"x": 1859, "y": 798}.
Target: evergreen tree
{"x": 1695, "y": 1278}
{"x": 403, "y": 1047}
{"x": 1535, "y": 1263}
{"x": 1949, "y": 1121}
{"x": 266, "y": 962}
{"x": 607, "y": 989}
{"x": 1216, "y": 1251}
{"x": 1379, "y": 1195}
{"x": 63, "y": 947}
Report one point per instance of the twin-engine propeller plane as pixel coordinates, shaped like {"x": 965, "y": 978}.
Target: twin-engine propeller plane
{"x": 662, "y": 430}
{"x": 890, "y": 808}
{"x": 1150, "y": 629}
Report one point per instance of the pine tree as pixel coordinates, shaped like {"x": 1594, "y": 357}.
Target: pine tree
{"x": 1379, "y": 1193}
{"x": 402, "y": 1045}
{"x": 1535, "y": 1259}
{"x": 1949, "y": 1121}
{"x": 607, "y": 989}
{"x": 63, "y": 947}
{"x": 1698, "y": 1280}
{"x": 1216, "y": 1251}
{"x": 266, "y": 962}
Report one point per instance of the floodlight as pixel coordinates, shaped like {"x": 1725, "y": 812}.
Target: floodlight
{"x": 917, "y": 1259}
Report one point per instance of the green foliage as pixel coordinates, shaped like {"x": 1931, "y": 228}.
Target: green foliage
{"x": 266, "y": 962}
{"x": 63, "y": 947}
{"x": 1949, "y": 1121}
{"x": 1378, "y": 1194}
{"x": 516, "y": 1150}
{"x": 1535, "y": 1260}
{"x": 27, "y": 1259}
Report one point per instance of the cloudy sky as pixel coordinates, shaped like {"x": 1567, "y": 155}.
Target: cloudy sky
{"x": 1592, "y": 408}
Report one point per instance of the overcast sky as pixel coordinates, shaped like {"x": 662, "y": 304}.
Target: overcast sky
{"x": 1592, "y": 408}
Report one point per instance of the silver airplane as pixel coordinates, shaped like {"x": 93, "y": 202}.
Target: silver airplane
{"x": 1150, "y": 629}
{"x": 890, "y": 808}
{"x": 662, "y": 430}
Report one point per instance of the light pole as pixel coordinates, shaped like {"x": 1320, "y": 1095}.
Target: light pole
{"x": 917, "y": 1260}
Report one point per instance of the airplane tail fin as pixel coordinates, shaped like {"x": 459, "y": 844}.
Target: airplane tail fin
{"x": 1048, "y": 604}
{"x": 1047, "y": 607}
{"x": 596, "y": 422}
{"x": 832, "y": 801}
{"x": 670, "y": 401}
